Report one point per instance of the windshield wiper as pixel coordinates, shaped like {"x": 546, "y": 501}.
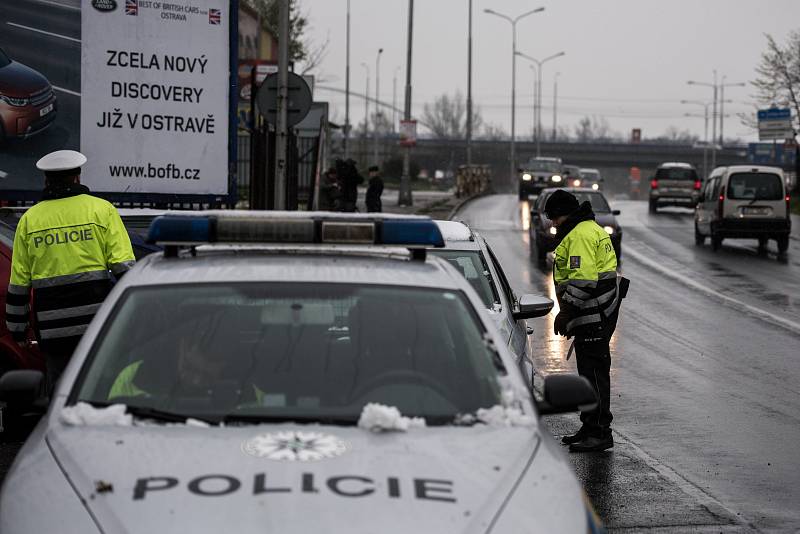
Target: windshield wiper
{"x": 145, "y": 412}
{"x": 254, "y": 419}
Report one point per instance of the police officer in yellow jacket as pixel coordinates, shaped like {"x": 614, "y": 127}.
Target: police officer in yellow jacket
{"x": 585, "y": 275}
{"x": 65, "y": 249}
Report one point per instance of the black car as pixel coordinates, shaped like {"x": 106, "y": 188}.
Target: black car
{"x": 542, "y": 233}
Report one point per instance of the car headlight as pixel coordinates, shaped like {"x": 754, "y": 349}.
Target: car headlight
{"x": 555, "y": 178}
{"x": 595, "y": 187}
{"x": 19, "y": 102}
{"x": 527, "y": 177}
{"x": 609, "y": 230}
{"x": 576, "y": 183}
{"x": 553, "y": 230}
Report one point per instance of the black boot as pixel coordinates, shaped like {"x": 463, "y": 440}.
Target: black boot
{"x": 576, "y": 437}
{"x": 593, "y": 444}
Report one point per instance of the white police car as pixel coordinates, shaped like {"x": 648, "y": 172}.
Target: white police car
{"x": 472, "y": 256}
{"x": 328, "y": 381}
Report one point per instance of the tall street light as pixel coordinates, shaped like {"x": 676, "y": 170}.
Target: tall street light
{"x": 535, "y": 99}
{"x": 722, "y": 87}
{"x": 555, "y": 104}
{"x": 347, "y": 89}
{"x": 513, "y": 22}
{"x": 404, "y": 195}
{"x": 366, "y": 104}
{"x": 469, "y": 86}
{"x": 539, "y": 64}
{"x": 377, "y": 99}
{"x": 394, "y": 100}
{"x": 705, "y": 131}
{"x": 714, "y": 86}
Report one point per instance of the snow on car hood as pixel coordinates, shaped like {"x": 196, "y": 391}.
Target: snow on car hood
{"x": 294, "y": 478}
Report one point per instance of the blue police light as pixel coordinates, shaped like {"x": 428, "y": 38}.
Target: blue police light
{"x": 166, "y": 229}
{"x": 277, "y": 228}
{"x": 411, "y": 232}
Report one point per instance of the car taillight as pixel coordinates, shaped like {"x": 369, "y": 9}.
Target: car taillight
{"x": 653, "y": 184}
{"x": 720, "y": 203}
{"x": 788, "y": 203}
{"x": 697, "y": 185}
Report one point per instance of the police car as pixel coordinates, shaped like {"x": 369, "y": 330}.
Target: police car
{"x": 472, "y": 256}
{"x": 293, "y": 372}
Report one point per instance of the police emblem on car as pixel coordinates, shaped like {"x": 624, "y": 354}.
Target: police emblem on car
{"x": 295, "y": 446}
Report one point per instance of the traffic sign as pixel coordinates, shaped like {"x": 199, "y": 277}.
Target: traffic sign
{"x": 299, "y": 99}
{"x": 775, "y": 124}
{"x": 774, "y": 114}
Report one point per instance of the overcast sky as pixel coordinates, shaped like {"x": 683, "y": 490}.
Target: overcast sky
{"x": 626, "y": 60}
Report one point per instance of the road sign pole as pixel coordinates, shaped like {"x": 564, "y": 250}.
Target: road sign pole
{"x": 282, "y": 129}
{"x": 404, "y": 195}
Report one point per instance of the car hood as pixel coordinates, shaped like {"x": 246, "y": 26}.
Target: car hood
{"x": 20, "y": 81}
{"x": 185, "y": 479}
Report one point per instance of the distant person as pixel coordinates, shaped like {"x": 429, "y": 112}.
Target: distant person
{"x": 64, "y": 248}
{"x": 330, "y": 191}
{"x": 585, "y": 276}
{"x": 374, "y": 190}
{"x": 349, "y": 179}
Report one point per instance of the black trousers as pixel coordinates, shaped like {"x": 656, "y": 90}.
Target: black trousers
{"x": 57, "y": 353}
{"x": 593, "y": 357}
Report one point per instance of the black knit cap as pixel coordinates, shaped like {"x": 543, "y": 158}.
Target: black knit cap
{"x": 560, "y": 203}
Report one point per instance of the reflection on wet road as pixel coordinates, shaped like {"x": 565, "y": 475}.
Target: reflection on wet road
{"x": 705, "y": 372}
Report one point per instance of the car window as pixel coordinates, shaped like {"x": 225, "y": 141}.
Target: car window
{"x": 313, "y": 351}
{"x": 471, "y": 265}
{"x": 755, "y": 186}
{"x": 538, "y": 165}
{"x": 503, "y": 281}
{"x": 4, "y": 60}
{"x": 676, "y": 173}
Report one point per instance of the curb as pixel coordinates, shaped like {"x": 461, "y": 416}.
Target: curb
{"x": 461, "y": 203}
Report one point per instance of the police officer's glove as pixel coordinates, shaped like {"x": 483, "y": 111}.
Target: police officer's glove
{"x": 560, "y": 324}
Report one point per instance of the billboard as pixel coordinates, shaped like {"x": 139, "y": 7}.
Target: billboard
{"x": 154, "y": 96}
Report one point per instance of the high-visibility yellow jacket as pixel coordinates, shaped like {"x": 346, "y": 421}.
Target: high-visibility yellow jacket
{"x": 65, "y": 249}
{"x": 585, "y": 275}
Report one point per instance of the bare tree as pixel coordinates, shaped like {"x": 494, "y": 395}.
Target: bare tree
{"x": 675, "y": 136}
{"x": 447, "y": 117}
{"x": 595, "y": 130}
{"x": 493, "y": 132}
{"x": 778, "y": 81}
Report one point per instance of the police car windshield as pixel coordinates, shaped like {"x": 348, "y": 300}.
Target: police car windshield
{"x": 470, "y": 264}
{"x": 282, "y": 351}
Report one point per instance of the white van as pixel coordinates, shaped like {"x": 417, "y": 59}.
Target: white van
{"x": 744, "y": 201}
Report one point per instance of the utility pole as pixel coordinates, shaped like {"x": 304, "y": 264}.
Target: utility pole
{"x": 555, "y": 104}
{"x": 535, "y": 101}
{"x": 364, "y": 148}
{"x": 722, "y": 87}
{"x": 347, "y": 89}
{"x": 469, "y": 87}
{"x": 394, "y": 100}
{"x": 377, "y": 99}
{"x": 282, "y": 130}
{"x": 404, "y": 195}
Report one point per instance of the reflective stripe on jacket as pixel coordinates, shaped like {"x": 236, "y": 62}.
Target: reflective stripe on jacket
{"x": 585, "y": 274}
{"x": 64, "y": 249}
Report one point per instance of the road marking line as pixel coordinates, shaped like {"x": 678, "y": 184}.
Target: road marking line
{"x": 59, "y": 4}
{"x": 640, "y": 258}
{"x": 3, "y": 174}
{"x": 42, "y": 31}
{"x": 57, "y": 88}
{"x": 686, "y": 485}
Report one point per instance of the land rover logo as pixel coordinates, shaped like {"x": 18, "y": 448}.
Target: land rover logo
{"x": 295, "y": 446}
{"x": 104, "y": 5}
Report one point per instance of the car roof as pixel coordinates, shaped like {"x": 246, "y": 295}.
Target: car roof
{"x": 550, "y": 190}
{"x": 676, "y": 164}
{"x": 748, "y": 168}
{"x": 325, "y": 264}
{"x": 590, "y": 169}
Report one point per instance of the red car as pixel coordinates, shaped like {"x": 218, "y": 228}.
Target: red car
{"x": 12, "y": 356}
{"x": 27, "y": 101}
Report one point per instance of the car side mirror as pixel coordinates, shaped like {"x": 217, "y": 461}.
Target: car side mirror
{"x": 566, "y": 393}
{"x": 615, "y": 212}
{"x": 530, "y": 306}
{"x": 21, "y": 388}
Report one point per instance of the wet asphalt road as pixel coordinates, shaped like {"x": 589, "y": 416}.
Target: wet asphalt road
{"x": 705, "y": 370}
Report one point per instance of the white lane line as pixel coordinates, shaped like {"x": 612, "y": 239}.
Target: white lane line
{"x": 57, "y": 88}
{"x": 652, "y": 264}
{"x": 3, "y": 174}
{"x": 59, "y": 4}
{"x": 37, "y": 30}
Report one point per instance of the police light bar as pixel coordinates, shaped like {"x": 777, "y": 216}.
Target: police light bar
{"x": 283, "y": 228}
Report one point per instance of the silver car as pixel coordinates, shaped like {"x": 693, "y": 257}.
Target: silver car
{"x": 317, "y": 383}
{"x": 472, "y": 256}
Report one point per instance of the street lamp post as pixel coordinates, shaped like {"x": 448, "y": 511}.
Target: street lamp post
{"x": 404, "y": 197}
{"x": 722, "y": 87}
{"x": 705, "y": 127}
{"x": 555, "y": 104}
{"x": 714, "y": 86}
{"x": 513, "y": 22}
{"x": 394, "y": 100}
{"x": 377, "y": 99}
{"x": 539, "y": 65}
{"x": 469, "y": 86}
{"x": 366, "y": 108}
{"x": 535, "y": 97}
{"x": 347, "y": 89}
